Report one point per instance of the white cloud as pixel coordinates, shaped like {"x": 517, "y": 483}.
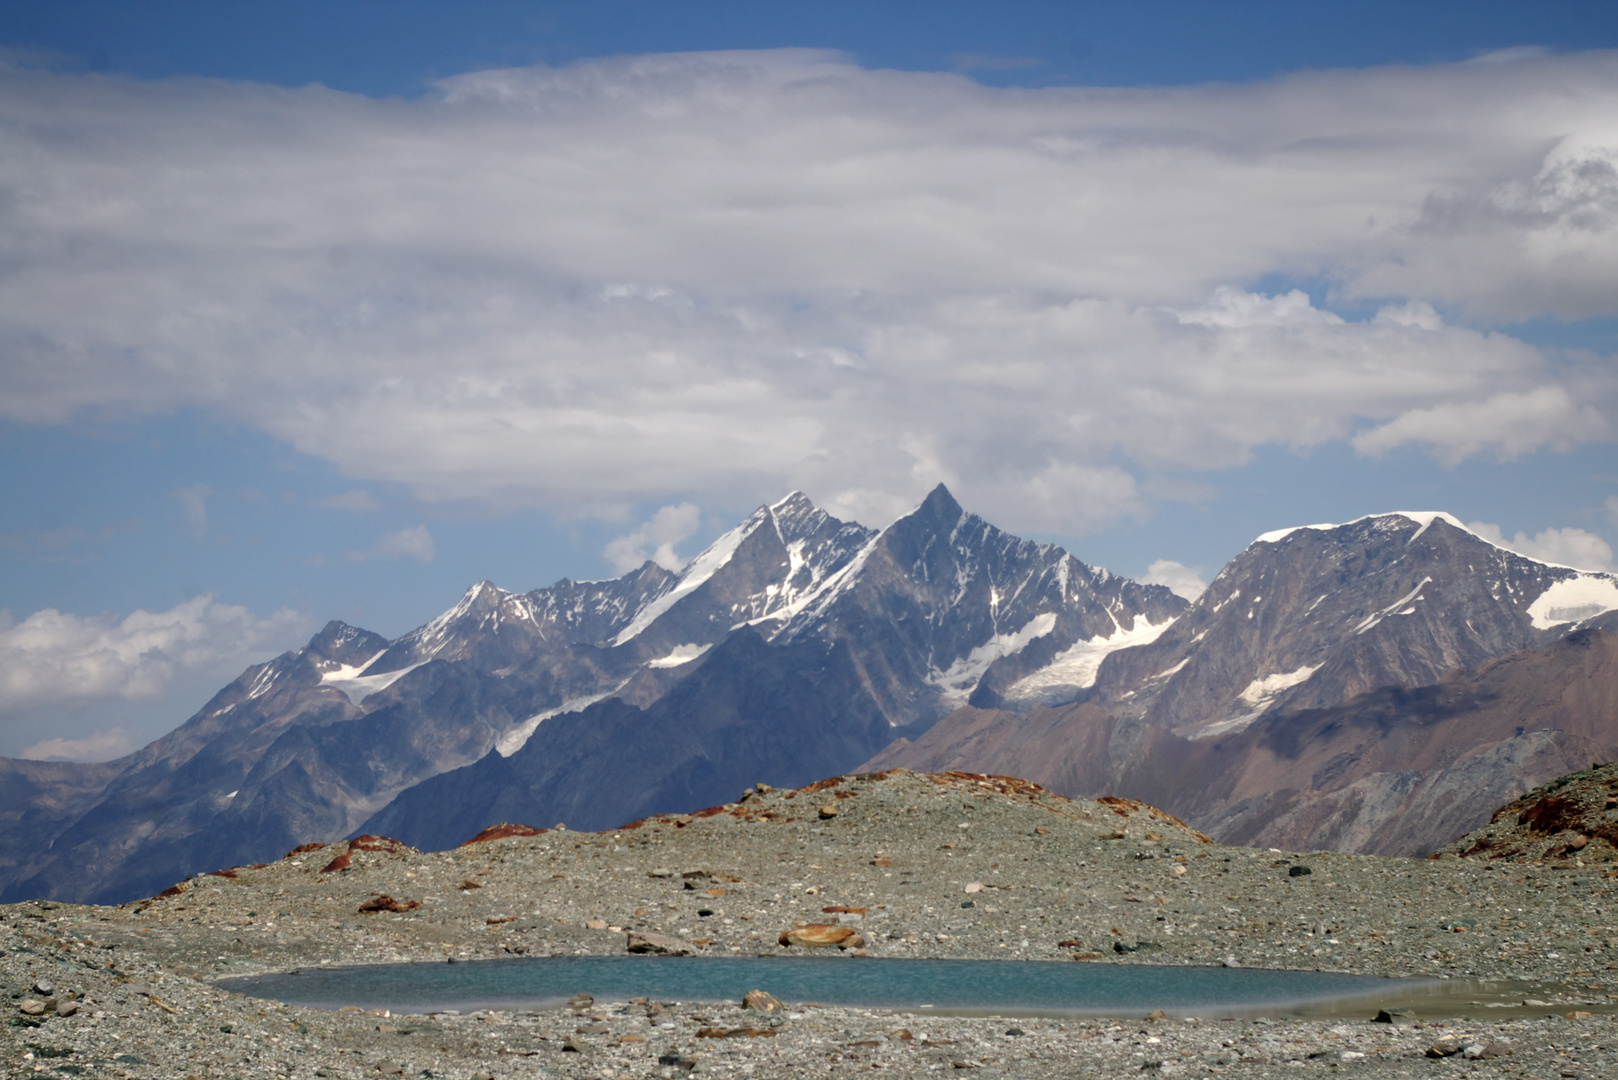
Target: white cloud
{"x": 102, "y": 746}
{"x": 655, "y": 539}
{"x": 56, "y": 659}
{"x": 1565, "y": 547}
{"x": 729, "y": 275}
{"x": 193, "y": 502}
{"x": 412, "y": 542}
{"x": 1510, "y": 424}
{"x": 1180, "y": 579}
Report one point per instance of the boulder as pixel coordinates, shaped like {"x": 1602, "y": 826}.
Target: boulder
{"x": 656, "y": 944}
{"x": 1444, "y": 1046}
{"x": 762, "y": 1000}
{"x": 822, "y": 936}
{"x": 385, "y": 902}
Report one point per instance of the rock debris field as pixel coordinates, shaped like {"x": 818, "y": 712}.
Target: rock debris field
{"x": 893, "y": 864}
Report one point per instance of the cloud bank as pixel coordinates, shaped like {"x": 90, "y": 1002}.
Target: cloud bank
{"x": 1565, "y": 547}
{"x": 717, "y": 277}
{"x": 51, "y": 659}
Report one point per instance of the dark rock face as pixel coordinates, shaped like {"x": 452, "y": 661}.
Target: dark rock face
{"x": 1377, "y": 687}
{"x": 795, "y": 647}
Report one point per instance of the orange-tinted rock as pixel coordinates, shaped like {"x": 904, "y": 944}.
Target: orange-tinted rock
{"x": 822, "y": 936}
{"x": 172, "y": 890}
{"x": 340, "y": 863}
{"x": 762, "y": 1001}
{"x": 302, "y": 849}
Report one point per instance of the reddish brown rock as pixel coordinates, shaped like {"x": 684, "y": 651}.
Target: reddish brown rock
{"x": 504, "y": 830}
{"x": 385, "y": 844}
{"x": 303, "y": 849}
{"x": 385, "y": 902}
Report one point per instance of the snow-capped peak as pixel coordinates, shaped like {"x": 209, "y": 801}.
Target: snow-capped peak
{"x": 1423, "y": 518}
{"x": 696, "y": 572}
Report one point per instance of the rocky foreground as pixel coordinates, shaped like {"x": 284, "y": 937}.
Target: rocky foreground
{"x": 889, "y": 864}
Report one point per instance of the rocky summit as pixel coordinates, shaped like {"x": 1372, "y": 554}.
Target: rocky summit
{"x": 912, "y": 865}
{"x": 1377, "y": 686}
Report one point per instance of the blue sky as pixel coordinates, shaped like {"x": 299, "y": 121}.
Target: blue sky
{"x": 317, "y": 310}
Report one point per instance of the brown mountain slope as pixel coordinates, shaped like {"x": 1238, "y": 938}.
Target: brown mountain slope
{"x": 1574, "y": 818}
{"x": 1392, "y": 771}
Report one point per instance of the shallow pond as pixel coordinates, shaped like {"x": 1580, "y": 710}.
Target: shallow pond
{"x": 1005, "y": 987}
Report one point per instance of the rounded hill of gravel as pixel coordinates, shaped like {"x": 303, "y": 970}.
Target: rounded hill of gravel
{"x": 893, "y": 864}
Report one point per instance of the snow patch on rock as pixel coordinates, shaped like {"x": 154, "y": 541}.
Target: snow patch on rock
{"x": 1573, "y": 600}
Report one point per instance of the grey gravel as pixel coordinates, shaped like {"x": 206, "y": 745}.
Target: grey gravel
{"x": 1050, "y": 879}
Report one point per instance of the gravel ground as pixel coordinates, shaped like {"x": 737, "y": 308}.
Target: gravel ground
{"x": 1046, "y": 879}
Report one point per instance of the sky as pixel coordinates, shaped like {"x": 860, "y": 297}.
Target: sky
{"x": 325, "y": 310}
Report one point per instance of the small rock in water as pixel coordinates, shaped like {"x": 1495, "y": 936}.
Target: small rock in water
{"x": 762, "y": 1000}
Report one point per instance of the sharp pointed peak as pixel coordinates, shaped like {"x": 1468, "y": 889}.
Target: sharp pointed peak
{"x": 793, "y": 501}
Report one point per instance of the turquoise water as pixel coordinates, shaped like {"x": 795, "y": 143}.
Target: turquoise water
{"x": 1000, "y": 986}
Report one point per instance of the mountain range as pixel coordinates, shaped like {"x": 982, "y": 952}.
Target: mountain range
{"x": 1375, "y": 686}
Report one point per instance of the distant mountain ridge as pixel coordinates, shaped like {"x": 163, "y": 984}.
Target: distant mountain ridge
{"x": 793, "y": 647}
{"x": 798, "y": 646}
{"x": 1325, "y": 620}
